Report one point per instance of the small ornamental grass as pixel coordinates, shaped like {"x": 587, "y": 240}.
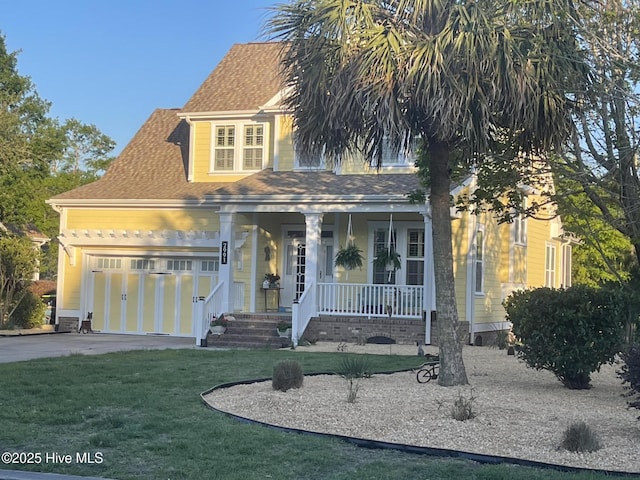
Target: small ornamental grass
{"x": 353, "y": 368}
{"x": 287, "y": 374}
{"x": 463, "y": 407}
{"x": 580, "y": 437}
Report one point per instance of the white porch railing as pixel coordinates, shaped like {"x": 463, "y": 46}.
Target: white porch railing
{"x": 301, "y": 313}
{"x": 368, "y": 300}
{"x": 207, "y": 307}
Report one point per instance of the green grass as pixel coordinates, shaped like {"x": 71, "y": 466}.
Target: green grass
{"x": 143, "y": 412}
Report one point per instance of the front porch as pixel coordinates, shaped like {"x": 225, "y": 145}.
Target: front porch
{"x": 338, "y": 312}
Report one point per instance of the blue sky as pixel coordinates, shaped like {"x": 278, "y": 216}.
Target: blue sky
{"x": 112, "y": 62}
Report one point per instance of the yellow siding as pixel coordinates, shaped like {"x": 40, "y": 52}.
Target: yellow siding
{"x": 285, "y": 143}
{"x": 202, "y": 151}
{"x": 72, "y": 283}
{"x": 537, "y": 237}
{"x": 487, "y": 306}
{"x": 504, "y": 231}
{"x": 187, "y": 219}
{"x": 460, "y": 245}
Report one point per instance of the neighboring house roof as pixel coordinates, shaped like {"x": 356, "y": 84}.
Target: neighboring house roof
{"x": 43, "y": 287}
{"x": 30, "y": 231}
{"x": 153, "y": 167}
{"x": 246, "y": 78}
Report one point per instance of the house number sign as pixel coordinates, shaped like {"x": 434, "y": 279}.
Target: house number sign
{"x": 224, "y": 252}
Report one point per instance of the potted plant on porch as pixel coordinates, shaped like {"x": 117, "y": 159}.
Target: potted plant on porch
{"x": 271, "y": 280}
{"x": 389, "y": 259}
{"x": 284, "y": 329}
{"x": 218, "y": 325}
{"x": 349, "y": 257}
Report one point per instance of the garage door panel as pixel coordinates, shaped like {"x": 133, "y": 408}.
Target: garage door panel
{"x": 186, "y": 305}
{"x": 149, "y": 305}
{"x": 169, "y": 304}
{"x": 99, "y": 301}
{"x": 113, "y": 316}
{"x": 133, "y": 303}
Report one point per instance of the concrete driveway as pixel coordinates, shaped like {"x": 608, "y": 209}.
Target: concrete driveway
{"x": 29, "y": 347}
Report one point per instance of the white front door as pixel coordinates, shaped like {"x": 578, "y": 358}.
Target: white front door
{"x": 294, "y": 267}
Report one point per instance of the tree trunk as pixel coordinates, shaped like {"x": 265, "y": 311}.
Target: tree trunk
{"x": 452, "y": 371}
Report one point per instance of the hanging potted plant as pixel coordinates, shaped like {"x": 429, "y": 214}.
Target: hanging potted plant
{"x": 389, "y": 259}
{"x": 349, "y": 257}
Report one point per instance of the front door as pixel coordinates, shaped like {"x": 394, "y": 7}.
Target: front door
{"x": 294, "y": 267}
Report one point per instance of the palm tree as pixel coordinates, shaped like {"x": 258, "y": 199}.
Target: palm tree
{"x": 464, "y": 77}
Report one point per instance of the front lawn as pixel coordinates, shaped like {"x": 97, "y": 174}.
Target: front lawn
{"x": 142, "y": 412}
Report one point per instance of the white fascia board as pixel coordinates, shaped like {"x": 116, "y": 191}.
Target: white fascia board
{"x": 127, "y": 204}
{"x": 221, "y": 114}
{"x": 275, "y": 102}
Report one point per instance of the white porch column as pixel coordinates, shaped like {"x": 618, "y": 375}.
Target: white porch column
{"x": 313, "y": 233}
{"x": 227, "y": 248}
{"x": 429, "y": 304}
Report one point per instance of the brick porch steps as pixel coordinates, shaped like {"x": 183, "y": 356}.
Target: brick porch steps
{"x": 256, "y": 330}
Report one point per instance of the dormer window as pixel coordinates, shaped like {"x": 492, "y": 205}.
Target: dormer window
{"x": 238, "y": 147}
{"x": 253, "y": 148}
{"x": 225, "y": 147}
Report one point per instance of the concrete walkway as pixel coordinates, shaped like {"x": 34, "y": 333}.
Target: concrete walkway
{"x": 28, "y": 347}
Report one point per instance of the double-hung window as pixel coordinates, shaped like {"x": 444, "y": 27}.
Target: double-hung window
{"x": 238, "y": 147}
{"x": 550, "y": 266}
{"x": 253, "y": 147}
{"x": 520, "y": 225}
{"x": 415, "y": 256}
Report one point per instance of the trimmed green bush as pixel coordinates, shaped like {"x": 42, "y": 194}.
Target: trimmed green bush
{"x": 630, "y": 374}
{"x": 570, "y": 332}
{"x": 287, "y": 374}
{"x": 29, "y": 313}
{"x": 580, "y": 437}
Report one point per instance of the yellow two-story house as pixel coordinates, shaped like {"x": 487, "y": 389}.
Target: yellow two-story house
{"x": 207, "y": 199}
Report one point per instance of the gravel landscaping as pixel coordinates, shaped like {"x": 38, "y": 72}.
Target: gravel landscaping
{"x": 520, "y": 412}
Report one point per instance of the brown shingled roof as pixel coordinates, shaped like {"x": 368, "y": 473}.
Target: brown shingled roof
{"x": 153, "y": 166}
{"x": 246, "y": 78}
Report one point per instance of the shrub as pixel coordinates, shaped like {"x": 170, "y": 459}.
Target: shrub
{"x": 501, "y": 340}
{"x": 463, "y": 407}
{"x": 287, "y": 374}
{"x": 571, "y": 332}
{"x": 352, "y": 369}
{"x": 580, "y": 437}
{"x": 630, "y": 374}
{"x": 29, "y": 313}
{"x": 355, "y": 366}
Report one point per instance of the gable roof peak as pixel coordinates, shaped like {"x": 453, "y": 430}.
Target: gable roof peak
{"x": 247, "y": 77}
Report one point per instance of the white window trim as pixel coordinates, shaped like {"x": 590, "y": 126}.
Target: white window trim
{"x": 238, "y": 146}
{"x": 567, "y": 260}
{"x": 401, "y": 228}
{"x": 520, "y": 220}
{"x": 550, "y": 266}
